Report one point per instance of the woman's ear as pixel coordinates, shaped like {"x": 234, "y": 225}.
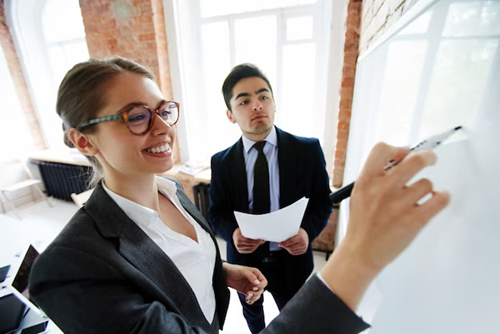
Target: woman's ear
{"x": 82, "y": 142}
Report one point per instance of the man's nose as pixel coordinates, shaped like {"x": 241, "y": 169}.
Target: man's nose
{"x": 257, "y": 105}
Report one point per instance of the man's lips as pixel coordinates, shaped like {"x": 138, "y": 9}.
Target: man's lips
{"x": 259, "y": 117}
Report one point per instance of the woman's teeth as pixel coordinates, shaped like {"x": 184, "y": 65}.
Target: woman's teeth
{"x": 159, "y": 149}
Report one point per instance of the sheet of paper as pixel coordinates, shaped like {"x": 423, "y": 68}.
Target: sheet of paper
{"x": 276, "y": 226}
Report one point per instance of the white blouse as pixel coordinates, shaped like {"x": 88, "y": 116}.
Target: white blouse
{"x": 195, "y": 260}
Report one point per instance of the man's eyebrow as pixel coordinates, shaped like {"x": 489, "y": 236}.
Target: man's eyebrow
{"x": 262, "y": 90}
{"x": 241, "y": 95}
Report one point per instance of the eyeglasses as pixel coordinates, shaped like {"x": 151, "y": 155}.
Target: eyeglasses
{"x": 139, "y": 118}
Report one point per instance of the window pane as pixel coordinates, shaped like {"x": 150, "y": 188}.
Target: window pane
{"x": 211, "y": 8}
{"x": 288, "y": 3}
{"x": 216, "y": 64}
{"x": 13, "y": 127}
{"x": 400, "y": 89}
{"x": 62, "y": 20}
{"x": 473, "y": 18}
{"x": 461, "y": 71}
{"x": 297, "y": 110}
{"x": 299, "y": 28}
{"x": 241, "y": 6}
{"x": 256, "y": 42}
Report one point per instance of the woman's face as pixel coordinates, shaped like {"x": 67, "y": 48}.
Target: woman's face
{"x": 119, "y": 151}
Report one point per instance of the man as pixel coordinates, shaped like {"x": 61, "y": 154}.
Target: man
{"x": 267, "y": 169}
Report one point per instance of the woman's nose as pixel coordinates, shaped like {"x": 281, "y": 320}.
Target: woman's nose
{"x": 160, "y": 125}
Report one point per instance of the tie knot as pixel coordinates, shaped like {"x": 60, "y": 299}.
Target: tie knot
{"x": 259, "y": 146}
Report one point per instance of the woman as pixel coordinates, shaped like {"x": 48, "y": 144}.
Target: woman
{"x": 139, "y": 258}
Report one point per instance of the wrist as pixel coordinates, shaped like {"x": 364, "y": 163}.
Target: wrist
{"x": 348, "y": 275}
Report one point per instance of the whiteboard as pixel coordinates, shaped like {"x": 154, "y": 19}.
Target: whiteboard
{"x": 440, "y": 70}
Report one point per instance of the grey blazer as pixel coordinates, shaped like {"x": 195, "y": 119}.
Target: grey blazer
{"x": 103, "y": 274}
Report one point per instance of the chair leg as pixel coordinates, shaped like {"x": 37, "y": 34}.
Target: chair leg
{"x": 37, "y": 187}
{"x": 11, "y": 205}
{"x": 4, "y": 210}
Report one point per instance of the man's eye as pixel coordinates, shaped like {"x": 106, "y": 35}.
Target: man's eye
{"x": 165, "y": 112}
{"x": 243, "y": 102}
{"x": 264, "y": 97}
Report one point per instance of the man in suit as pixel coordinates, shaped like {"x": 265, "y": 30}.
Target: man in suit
{"x": 267, "y": 169}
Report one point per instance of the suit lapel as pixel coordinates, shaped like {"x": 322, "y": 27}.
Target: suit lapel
{"x": 144, "y": 254}
{"x": 239, "y": 177}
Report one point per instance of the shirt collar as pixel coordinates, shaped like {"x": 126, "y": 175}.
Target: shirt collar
{"x": 139, "y": 214}
{"x": 271, "y": 138}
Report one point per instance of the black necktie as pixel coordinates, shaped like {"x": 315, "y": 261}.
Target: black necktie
{"x": 261, "y": 197}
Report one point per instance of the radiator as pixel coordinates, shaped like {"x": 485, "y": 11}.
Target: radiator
{"x": 201, "y": 199}
{"x": 61, "y": 180}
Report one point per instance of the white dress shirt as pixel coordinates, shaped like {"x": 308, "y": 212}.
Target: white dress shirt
{"x": 195, "y": 260}
{"x": 271, "y": 153}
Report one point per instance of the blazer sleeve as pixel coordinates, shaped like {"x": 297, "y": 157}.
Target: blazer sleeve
{"x": 221, "y": 211}
{"x": 102, "y": 300}
{"x": 83, "y": 294}
{"x": 319, "y": 208}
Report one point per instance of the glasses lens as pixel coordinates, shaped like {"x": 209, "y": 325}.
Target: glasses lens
{"x": 139, "y": 119}
{"x": 169, "y": 112}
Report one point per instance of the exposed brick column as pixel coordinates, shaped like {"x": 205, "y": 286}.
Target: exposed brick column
{"x": 133, "y": 29}
{"x": 351, "y": 51}
{"x": 162, "y": 48}
{"x": 16, "y": 72}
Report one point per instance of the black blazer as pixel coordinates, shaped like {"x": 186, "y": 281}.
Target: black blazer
{"x": 302, "y": 174}
{"x": 103, "y": 274}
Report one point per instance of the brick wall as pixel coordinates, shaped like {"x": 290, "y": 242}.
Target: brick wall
{"x": 133, "y": 29}
{"x": 351, "y": 50}
{"x": 16, "y": 72}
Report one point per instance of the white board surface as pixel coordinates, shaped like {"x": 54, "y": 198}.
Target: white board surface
{"x": 440, "y": 71}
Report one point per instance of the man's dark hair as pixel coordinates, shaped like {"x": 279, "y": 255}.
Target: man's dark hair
{"x": 238, "y": 73}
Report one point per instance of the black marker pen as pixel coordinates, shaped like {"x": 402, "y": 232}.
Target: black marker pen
{"x": 428, "y": 144}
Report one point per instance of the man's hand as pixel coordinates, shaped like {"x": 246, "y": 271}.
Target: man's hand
{"x": 249, "y": 281}
{"x": 245, "y": 245}
{"x": 298, "y": 244}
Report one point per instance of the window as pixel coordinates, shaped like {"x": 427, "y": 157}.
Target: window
{"x": 13, "y": 127}
{"x": 287, "y": 39}
{"x": 50, "y": 38}
{"x": 64, "y": 36}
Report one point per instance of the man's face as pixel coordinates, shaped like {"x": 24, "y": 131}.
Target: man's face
{"x": 253, "y": 108}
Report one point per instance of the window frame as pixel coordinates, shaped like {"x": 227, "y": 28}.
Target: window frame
{"x": 329, "y": 41}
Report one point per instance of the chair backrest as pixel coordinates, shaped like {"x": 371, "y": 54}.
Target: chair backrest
{"x": 81, "y": 198}
{"x": 13, "y": 171}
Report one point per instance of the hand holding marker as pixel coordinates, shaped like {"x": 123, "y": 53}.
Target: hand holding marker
{"x": 428, "y": 144}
